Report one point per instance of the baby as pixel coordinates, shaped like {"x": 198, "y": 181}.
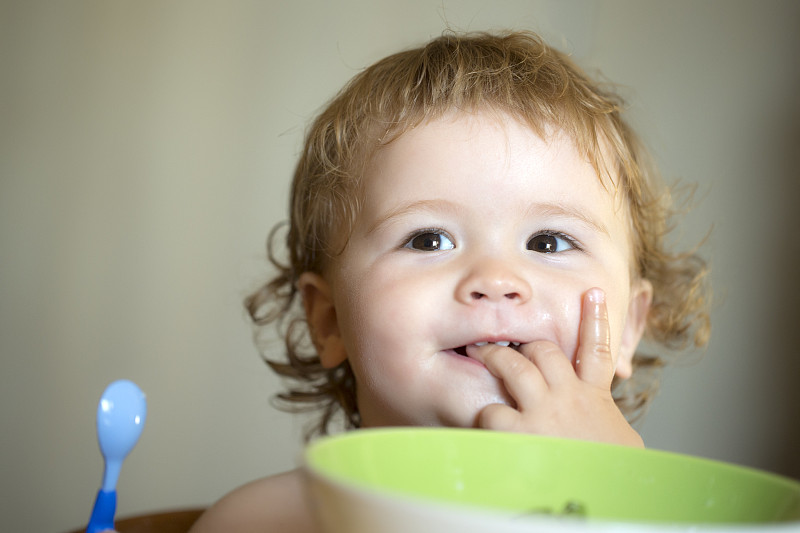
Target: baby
{"x": 476, "y": 241}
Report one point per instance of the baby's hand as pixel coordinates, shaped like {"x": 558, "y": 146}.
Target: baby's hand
{"x": 553, "y": 397}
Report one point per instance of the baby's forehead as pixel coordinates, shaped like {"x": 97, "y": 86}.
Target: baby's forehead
{"x": 468, "y": 126}
{"x": 450, "y": 156}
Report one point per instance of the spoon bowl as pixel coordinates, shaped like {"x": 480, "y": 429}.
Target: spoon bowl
{"x": 121, "y": 415}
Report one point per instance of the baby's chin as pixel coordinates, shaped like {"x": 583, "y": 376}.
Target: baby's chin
{"x": 458, "y": 410}
{"x": 471, "y": 417}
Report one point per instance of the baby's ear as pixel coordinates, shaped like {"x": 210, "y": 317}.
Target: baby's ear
{"x": 321, "y": 318}
{"x": 635, "y": 323}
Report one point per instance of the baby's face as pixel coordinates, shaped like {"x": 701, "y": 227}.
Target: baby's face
{"x": 473, "y": 230}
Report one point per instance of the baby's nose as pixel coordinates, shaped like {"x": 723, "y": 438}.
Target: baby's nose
{"x": 495, "y": 282}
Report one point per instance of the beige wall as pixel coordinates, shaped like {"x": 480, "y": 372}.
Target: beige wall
{"x": 145, "y": 150}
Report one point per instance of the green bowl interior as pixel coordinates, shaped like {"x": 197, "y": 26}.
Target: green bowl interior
{"x": 528, "y": 475}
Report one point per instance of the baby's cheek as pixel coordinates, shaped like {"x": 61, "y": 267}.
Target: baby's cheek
{"x": 560, "y": 324}
{"x": 617, "y": 307}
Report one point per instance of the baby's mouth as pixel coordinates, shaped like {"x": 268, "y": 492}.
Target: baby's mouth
{"x": 462, "y": 350}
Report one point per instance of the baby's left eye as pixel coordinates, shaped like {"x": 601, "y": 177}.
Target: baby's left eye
{"x": 550, "y": 242}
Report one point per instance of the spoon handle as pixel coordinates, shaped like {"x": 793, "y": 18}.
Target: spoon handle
{"x": 105, "y": 505}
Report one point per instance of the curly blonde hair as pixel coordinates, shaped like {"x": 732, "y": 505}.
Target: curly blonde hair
{"x": 515, "y": 73}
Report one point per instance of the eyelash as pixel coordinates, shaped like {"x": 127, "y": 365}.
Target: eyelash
{"x": 406, "y": 243}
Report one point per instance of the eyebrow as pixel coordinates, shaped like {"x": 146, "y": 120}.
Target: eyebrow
{"x": 566, "y": 211}
{"x": 434, "y": 206}
{"x": 547, "y": 209}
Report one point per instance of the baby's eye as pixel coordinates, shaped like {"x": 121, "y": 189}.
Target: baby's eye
{"x": 430, "y": 241}
{"x": 550, "y": 242}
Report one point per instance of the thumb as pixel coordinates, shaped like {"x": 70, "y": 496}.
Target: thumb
{"x": 594, "y": 363}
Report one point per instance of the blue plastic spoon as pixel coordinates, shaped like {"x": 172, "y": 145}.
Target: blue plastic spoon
{"x": 120, "y": 419}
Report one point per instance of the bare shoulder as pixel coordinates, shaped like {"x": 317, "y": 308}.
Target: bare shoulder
{"x": 275, "y": 503}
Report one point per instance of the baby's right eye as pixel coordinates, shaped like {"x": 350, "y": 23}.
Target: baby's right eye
{"x": 430, "y": 241}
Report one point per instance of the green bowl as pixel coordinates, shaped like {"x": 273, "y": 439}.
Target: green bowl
{"x": 472, "y": 480}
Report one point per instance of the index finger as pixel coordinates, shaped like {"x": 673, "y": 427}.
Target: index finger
{"x": 594, "y": 363}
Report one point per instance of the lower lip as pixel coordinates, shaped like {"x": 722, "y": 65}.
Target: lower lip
{"x": 465, "y": 359}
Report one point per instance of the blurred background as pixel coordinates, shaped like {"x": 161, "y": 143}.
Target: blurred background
{"x": 145, "y": 152}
